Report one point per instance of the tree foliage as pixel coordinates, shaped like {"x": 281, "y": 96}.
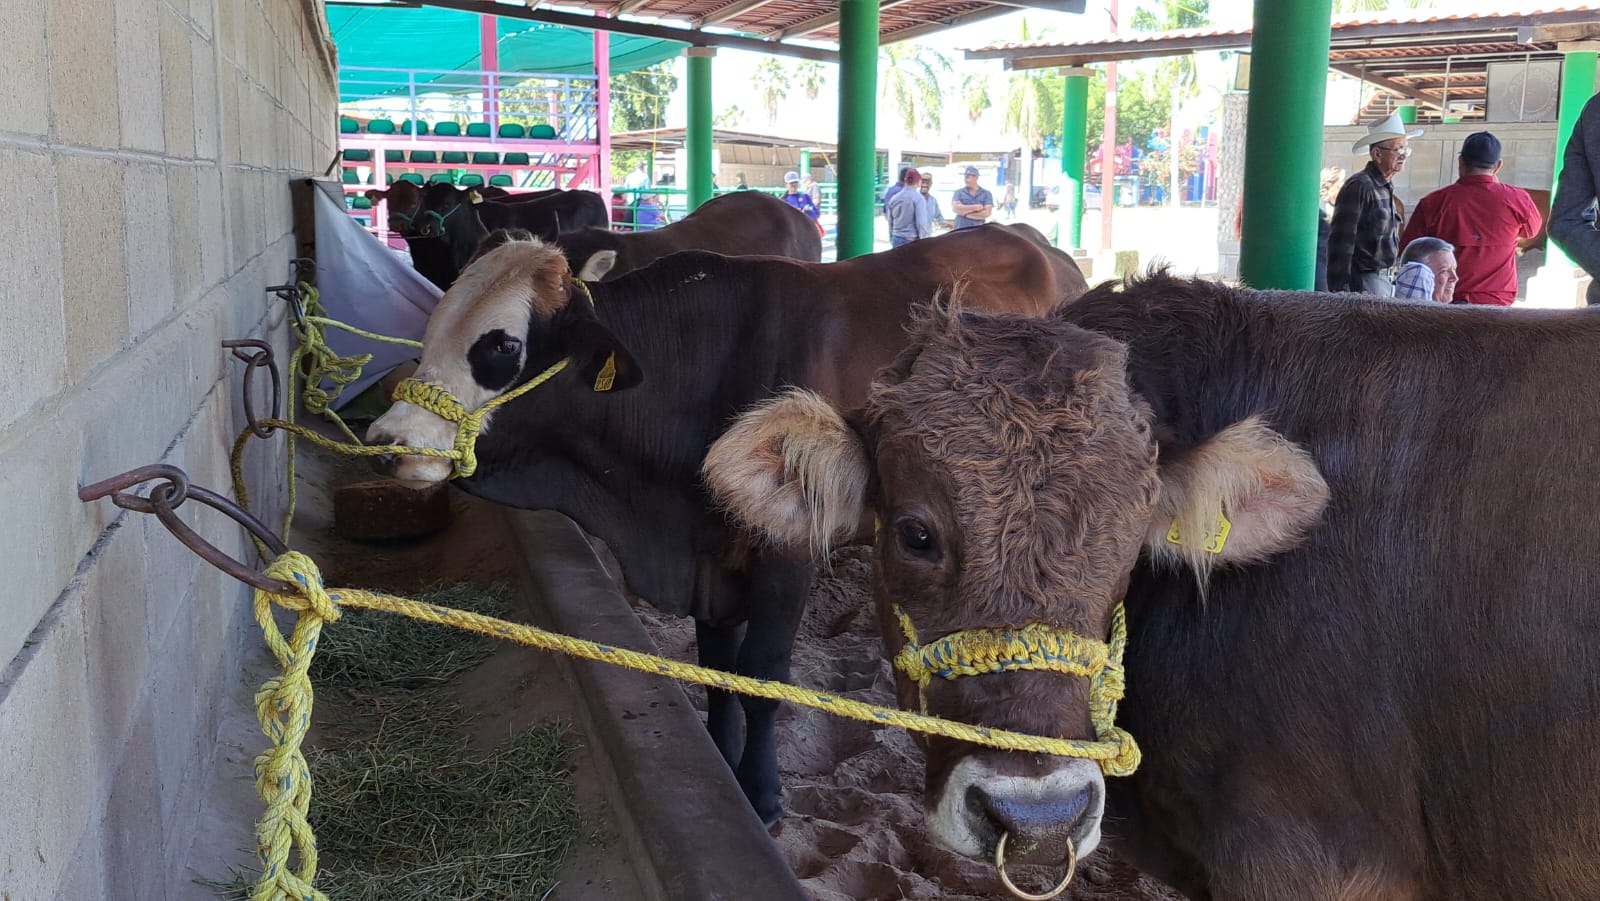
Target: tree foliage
{"x": 811, "y": 78}
{"x": 639, "y": 98}
{"x": 772, "y": 83}
{"x": 911, "y": 84}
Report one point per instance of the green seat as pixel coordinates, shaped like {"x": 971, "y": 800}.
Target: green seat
{"x": 413, "y": 177}
{"x": 394, "y": 156}
{"x": 414, "y": 127}
{"x": 482, "y": 158}
{"x": 380, "y": 127}
{"x": 424, "y": 156}
{"x": 513, "y": 130}
{"x": 360, "y": 202}
{"x": 440, "y": 177}
{"x": 348, "y": 126}
{"x": 358, "y": 155}
{"x": 477, "y": 129}
{"x": 454, "y": 157}
{"x": 542, "y": 132}
{"x": 447, "y": 130}
{"x": 351, "y": 177}
{"x": 471, "y": 180}
{"x": 516, "y": 159}
{"x": 500, "y": 180}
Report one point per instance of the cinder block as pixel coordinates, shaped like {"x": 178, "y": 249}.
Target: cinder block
{"x": 139, "y": 89}
{"x": 42, "y": 712}
{"x": 229, "y": 148}
{"x": 179, "y": 711}
{"x": 32, "y": 321}
{"x": 183, "y": 199}
{"x": 207, "y": 121}
{"x": 113, "y": 598}
{"x": 95, "y": 297}
{"x": 24, "y": 108}
{"x": 148, "y": 245}
{"x": 177, "y": 84}
{"x": 213, "y": 227}
{"x": 132, "y": 824}
{"x": 83, "y": 72}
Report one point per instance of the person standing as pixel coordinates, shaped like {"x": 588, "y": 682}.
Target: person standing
{"x": 1483, "y": 219}
{"x": 935, "y": 215}
{"x": 907, "y": 213}
{"x": 972, "y": 205}
{"x": 1572, "y": 209}
{"x": 799, "y": 199}
{"x": 1364, "y": 237}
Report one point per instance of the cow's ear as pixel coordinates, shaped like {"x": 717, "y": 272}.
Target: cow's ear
{"x": 602, "y": 362}
{"x": 599, "y": 263}
{"x": 793, "y": 470}
{"x": 1242, "y": 496}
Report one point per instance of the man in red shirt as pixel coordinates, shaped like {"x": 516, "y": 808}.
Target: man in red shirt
{"x": 1483, "y": 219}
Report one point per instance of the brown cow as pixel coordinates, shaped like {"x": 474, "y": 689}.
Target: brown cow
{"x": 702, "y": 336}
{"x": 1366, "y": 669}
{"x": 739, "y": 223}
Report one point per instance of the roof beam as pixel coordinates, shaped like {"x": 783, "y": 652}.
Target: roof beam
{"x": 638, "y": 29}
{"x": 937, "y": 25}
{"x": 1389, "y": 84}
{"x": 729, "y": 11}
{"x": 626, "y": 7}
{"x": 825, "y": 20}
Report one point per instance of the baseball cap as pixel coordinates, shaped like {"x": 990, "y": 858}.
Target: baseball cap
{"x": 970, "y": 170}
{"x": 910, "y": 175}
{"x": 1481, "y": 149}
{"x": 791, "y": 175}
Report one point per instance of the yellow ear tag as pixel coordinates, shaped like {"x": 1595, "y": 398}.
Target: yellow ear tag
{"x": 1216, "y": 537}
{"x": 608, "y": 374}
{"x": 475, "y": 197}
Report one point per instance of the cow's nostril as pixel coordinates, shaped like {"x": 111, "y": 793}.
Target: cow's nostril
{"x": 1038, "y": 825}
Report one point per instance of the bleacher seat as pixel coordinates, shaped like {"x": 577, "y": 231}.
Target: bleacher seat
{"x": 424, "y": 156}
{"x": 484, "y": 158}
{"x": 542, "y": 132}
{"x": 394, "y": 156}
{"x": 477, "y": 129}
{"x": 443, "y": 177}
{"x": 413, "y": 177}
{"x": 358, "y": 156}
{"x": 414, "y": 126}
{"x": 348, "y": 126}
{"x": 512, "y": 130}
{"x": 447, "y": 130}
{"x": 360, "y": 202}
{"x": 471, "y": 180}
{"x": 454, "y": 157}
{"x": 351, "y": 177}
{"x": 380, "y": 127}
{"x": 516, "y": 159}
{"x": 500, "y": 180}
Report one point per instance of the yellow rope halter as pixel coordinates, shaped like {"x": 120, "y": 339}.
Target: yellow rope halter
{"x": 1034, "y": 647}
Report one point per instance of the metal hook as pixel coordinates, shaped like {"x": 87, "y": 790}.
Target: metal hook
{"x": 262, "y": 357}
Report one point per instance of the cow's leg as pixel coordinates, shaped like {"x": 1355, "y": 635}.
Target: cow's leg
{"x": 719, "y": 649}
{"x": 777, "y": 597}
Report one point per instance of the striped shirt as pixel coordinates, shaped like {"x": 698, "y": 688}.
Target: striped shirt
{"x": 1415, "y": 282}
{"x": 1365, "y": 236}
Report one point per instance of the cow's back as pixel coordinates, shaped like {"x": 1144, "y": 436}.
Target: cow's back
{"x": 1417, "y": 677}
{"x": 744, "y": 223}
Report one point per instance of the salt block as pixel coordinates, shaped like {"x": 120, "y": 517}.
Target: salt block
{"x": 383, "y": 510}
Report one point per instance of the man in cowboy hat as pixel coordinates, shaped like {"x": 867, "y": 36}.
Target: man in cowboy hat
{"x": 1365, "y": 236}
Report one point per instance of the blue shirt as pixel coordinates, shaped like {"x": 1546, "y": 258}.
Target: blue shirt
{"x": 803, "y": 202}
{"x": 980, "y": 197}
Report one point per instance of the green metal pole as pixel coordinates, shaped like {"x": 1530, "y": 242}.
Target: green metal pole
{"x": 1283, "y": 143}
{"x": 698, "y": 140}
{"x": 858, "y": 124}
{"x": 1577, "y": 86}
{"x": 1074, "y": 140}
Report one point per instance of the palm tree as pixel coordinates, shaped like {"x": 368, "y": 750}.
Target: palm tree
{"x": 809, "y": 74}
{"x": 1178, "y": 71}
{"x": 773, "y": 83}
{"x": 729, "y": 117}
{"x": 910, "y": 84}
{"x": 975, "y": 95}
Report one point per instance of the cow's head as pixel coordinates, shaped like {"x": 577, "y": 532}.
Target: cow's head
{"x": 512, "y": 314}
{"x": 404, "y": 198}
{"x": 440, "y": 205}
{"x": 1015, "y": 480}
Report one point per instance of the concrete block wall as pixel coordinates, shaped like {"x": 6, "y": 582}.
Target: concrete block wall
{"x": 146, "y": 150}
{"x": 1527, "y": 149}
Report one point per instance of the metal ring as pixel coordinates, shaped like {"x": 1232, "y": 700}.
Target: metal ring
{"x": 116, "y": 487}
{"x": 262, "y": 357}
{"x": 208, "y": 551}
{"x": 1005, "y": 878}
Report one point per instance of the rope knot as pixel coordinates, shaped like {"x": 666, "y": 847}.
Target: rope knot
{"x": 298, "y": 570}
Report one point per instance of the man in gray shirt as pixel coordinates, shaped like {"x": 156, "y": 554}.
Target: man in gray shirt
{"x": 972, "y": 205}
{"x": 1572, "y": 210}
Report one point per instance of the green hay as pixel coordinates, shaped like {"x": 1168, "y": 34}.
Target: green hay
{"x": 369, "y": 649}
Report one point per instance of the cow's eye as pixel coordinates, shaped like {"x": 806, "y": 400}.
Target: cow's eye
{"x": 508, "y": 346}
{"x": 914, "y": 536}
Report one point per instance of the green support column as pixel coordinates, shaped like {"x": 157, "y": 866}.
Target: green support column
{"x": 1577, "y": 86}
{"x": 858, "y": 124}
{"x": 1283, "y": 143}
{"x": 805, "y": 166}
{"x": 698, "y": 140}
{"x": 1074, "y": 140}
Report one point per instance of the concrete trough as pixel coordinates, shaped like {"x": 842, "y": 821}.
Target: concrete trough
{"x": 683, "y": 817}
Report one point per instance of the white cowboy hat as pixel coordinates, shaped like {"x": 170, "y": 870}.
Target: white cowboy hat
{"x": 1387, "y": 130}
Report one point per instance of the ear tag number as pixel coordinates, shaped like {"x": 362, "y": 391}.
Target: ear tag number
{"x": 1216, "y": 537}
{"x": 608, "y": 374}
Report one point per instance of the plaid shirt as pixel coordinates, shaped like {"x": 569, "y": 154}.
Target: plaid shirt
{"x": 1415, "y": 282}
{"x": 1365, "y": 236}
